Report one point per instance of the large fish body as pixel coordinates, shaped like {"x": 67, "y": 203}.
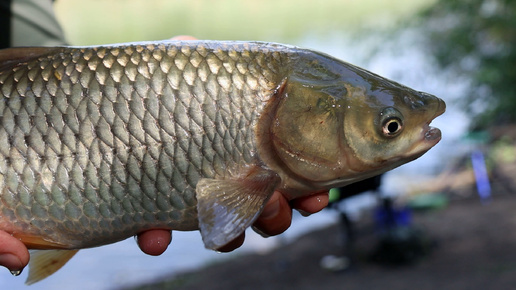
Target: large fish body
{"x": 100, "y": 143}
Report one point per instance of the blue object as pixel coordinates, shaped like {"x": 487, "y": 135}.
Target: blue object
{"x": 481, "y": 177}
{"x": 388, "y": 217}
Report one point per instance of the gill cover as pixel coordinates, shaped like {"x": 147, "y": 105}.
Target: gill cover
{"x": 307, "y": 130}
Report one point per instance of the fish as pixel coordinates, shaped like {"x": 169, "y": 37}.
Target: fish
{"x": 100, "y": 143}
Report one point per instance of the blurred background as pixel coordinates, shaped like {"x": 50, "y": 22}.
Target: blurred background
{"x": 451, "y": 215}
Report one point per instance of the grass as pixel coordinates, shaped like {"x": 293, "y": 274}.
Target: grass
{"x": 111, "y": 21}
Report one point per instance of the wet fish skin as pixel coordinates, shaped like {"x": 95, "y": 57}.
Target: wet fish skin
{"x": 100, "y": 143}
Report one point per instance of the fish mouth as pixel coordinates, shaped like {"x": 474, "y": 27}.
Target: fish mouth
{"x": 432, "y": 134}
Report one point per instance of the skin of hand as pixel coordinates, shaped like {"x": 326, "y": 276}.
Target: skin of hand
{"x": 275, "y": 219}
{"x": 13, "y": 253}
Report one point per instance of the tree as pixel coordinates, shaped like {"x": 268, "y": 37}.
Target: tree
{"x": 478, "y": 38}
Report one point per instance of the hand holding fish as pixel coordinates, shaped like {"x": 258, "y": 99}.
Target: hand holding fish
{"x": 98, "y": 144}
{"x": 13, "y": 253}
{"x": 275, "y": 219}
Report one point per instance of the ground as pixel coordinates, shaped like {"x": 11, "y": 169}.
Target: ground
{"x": 475, "y": 248}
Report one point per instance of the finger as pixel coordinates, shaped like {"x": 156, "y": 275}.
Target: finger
{"x": 13, "y": 253}
{"x": 311, "y": 204}
{"x": 236, "y": 243}
{"x": 183, "y": 37}
{"x": 275, "y": 218}
{"x": 154, "y": 242}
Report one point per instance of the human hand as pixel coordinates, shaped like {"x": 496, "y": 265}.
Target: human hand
{"x": 13, "y": 253}
{"x": 275, "y": 218}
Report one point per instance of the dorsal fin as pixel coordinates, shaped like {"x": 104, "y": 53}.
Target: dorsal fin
{"x": 12, "y": 57}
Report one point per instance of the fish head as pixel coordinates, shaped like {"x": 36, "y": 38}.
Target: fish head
{"x": 387, "y": 126}
{"x": 336, "y": 124}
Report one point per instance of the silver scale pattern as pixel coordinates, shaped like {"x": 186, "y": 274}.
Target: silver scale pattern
{"x": 99, "y": 143}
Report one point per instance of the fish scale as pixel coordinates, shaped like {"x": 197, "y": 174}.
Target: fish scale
{"x": 125, "y": 153}
{"x": 101, "y": 143}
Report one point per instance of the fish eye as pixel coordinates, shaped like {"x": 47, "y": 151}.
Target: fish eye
{"x": 391, "y": 121}
{"x": 392, "y": 127}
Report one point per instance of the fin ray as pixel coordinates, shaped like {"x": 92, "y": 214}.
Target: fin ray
{"x": 44, "y": 263}
{"x": 226, "y": 207}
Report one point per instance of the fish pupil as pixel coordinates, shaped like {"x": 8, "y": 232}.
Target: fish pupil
{"x": 393, "y": 127}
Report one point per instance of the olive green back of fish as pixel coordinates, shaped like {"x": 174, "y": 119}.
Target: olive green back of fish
{"x": 97, "y": 144}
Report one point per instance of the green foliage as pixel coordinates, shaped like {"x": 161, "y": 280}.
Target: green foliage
{"x": 478, "y": 38}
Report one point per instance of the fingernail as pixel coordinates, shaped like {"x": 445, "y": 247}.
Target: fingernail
{"x": 258, "y": 231}
{"x": 304, "y": 213}
{"x": 271, "y": 210}
{"x": 11, "y": 262}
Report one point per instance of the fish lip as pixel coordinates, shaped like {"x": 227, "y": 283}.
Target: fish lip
{"x": 441, "y": 108}
{"x": 433, "y": 134}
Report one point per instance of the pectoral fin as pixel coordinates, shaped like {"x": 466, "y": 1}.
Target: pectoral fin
{"x": 44, "y": 263}
{"x": 226, "y": 207}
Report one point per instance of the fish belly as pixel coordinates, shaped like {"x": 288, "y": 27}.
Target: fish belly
{"x": 98, "y": 144}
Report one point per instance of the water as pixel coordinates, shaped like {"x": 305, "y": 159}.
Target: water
{"x": 16, "y": 272}
{"x": 123, "y": 264}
